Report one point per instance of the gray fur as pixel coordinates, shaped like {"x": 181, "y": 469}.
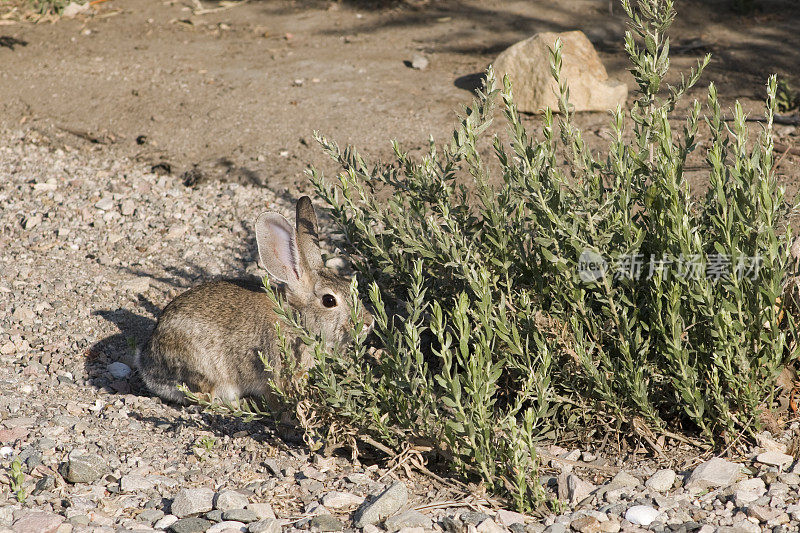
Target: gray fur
{"x": 209, "y": 337}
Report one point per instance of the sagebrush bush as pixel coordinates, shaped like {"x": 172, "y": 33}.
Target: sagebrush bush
{"x": 570, "y": 287}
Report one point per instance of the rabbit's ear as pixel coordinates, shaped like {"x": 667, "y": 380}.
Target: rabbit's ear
{"x": 307, "y": 238}
{"x": 277, "y": 247}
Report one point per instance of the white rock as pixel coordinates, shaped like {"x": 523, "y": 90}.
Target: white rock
{"x": 119, "y": 370}
{"x": 6, "y": 451}
{"x": 227, "y": 526}
{"x": 341, "y": 500}
{"x": 411, "y": 530}
{"x": 507, "y": 518}
{"x": 356, "y": 478}
{"x": 266, "y": 525}
{"x": 134, "y": 483}
{"x": 742, "y": 526}
{"x": 262, "y": 510}
{"x": 128, "y": 207}
{"x": 32, "y": 221}
{"x": 774, "y": 458}
{"x": 489, "y": 526}
{"x": 715, "y": 472}
{"x": 661, "y": 481}
{"x": 230, "y": 499}
{"x": 641, "y": 515}
{"x": 527, "y": 64}
{"x": 419, "y": 62}
{"x": 190, "y": 502}
{"x": 6, "y": 515}
{"x": 105, "y": 204}
{"x": 176, "y": 232}
{"x": 748, "y": 490}
{"x": 74, "y": 8}
{"x": 166, "y": 522}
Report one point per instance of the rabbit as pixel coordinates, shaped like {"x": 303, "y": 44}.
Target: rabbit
{"x": 210, "y": 336}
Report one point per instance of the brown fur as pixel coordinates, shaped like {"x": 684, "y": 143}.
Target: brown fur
{"x": 210, "y": 336}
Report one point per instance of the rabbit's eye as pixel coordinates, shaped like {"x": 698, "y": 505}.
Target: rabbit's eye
{"x": 329, "y": 300}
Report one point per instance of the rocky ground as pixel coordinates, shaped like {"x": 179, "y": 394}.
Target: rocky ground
{"x": 93, "y": 247}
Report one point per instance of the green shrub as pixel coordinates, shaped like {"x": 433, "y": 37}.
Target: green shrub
{"x": 510, "y": 307}
{"x": 786, "y": 99}
{"x": 49, "y": 7}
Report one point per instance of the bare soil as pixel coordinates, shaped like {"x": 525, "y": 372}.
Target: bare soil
{"x": 237, "y": 93}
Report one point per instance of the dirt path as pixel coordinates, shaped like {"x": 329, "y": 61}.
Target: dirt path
{"x": 238, "y": 93}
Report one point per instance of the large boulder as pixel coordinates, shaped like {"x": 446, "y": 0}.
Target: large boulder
{"x": 527, "y": 64}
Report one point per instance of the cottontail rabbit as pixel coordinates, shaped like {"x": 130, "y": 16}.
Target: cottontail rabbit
{"x": 209, "y": 337}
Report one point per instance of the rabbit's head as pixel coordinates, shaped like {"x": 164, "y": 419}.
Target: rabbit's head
{"x": 292, "y": 256}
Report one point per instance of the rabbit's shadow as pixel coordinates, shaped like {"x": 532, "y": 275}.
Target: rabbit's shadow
{"x": 134, "y": 329}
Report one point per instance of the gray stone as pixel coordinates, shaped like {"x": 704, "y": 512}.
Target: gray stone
{"x": 192, "y": 502}
{"x": 385, "y": 505}
{"x": 661, "y": 481}
{"x": 558, "y": 527}
{"x": 326, "y": 522}
{"x": 230, "y": 499}
{"x": 266, "y": 525}
{"x": 214, "y": 516}
{"x": 409, "y": 518}
{"x": 37, "y": 522}
{"x": 535, "y": 527}
{"x": 763, "y": 513}
{"x": 190, "y": 525}
{"x": 775, "y": 458}
{"x": 715, "y": 472}
{"x": 119, "y": 370}
{"x": 32, "y": 221}
{"x": 578, "y": 489}
{"x": 84, "y": 468}
{"x": 508, "y": 518}
{"x": 105, "y": 203}
{"x": 240, "y": 515}
{"x": 80, "y": 520}
{"x": 134, "y": 483}
{"x": 527, "y": 64}
{"x": 624, "y": 479}
{"x": 357, "y": 478}
{"x": 150, "y": 516}
{"x": 473, "y": 517}
{"x": 262, "y": 510}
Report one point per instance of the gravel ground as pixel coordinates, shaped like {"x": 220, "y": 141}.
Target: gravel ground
{"x": 93, "y": 247}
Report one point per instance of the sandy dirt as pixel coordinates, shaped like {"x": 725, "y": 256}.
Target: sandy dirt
{"x": 237, "y": 94}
